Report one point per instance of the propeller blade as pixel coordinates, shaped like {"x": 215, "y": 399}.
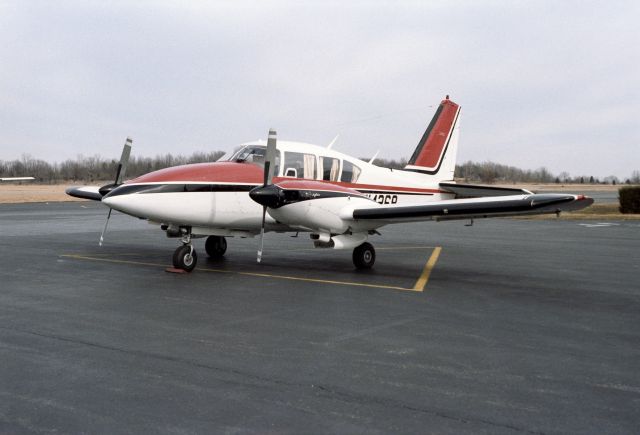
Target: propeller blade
{"x": 124, "y": 160}
{"x": 104, "y": 230}
{"x": 264, "y": 215}
{"x": 269, "y": 158}
{"x": 122, "y": 168}
{"x": 269, "y": 166}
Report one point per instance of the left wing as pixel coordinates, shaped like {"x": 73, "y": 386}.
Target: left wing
{"x": 85, "y": 192}
{"x": 513, "y": 205}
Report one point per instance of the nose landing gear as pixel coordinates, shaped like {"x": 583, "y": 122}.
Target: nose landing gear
{"x": 185, "y": 257}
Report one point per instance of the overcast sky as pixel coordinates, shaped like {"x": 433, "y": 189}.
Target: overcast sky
{"x": 541, "y": 83}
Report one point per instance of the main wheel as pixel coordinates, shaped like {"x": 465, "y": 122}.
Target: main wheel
{"x": 364, "y": 256}
{"x": 215, "y": 246}
{"x": 185, "y": 258}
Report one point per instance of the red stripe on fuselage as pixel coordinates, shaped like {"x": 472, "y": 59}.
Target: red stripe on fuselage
{"x": 380, "y": 187}
{"x": 217, "y": 172}
{"x": 249, "y": 173}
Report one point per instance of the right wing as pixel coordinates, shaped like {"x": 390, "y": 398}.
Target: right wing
{"x": 513, "y": 205}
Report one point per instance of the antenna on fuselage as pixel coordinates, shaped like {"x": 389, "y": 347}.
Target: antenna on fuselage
{"x": 374, "y": 157}
{"x": 333, "y": 141}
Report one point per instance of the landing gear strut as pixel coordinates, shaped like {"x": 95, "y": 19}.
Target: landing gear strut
{"x": 185, "y": 257}
{"x": 364, "y": 256}
{"x": 215, "y": 246}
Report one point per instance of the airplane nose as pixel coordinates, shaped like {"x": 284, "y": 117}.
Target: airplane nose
{"x": 268, "y": 196}
{"x": 113, "y": 196}
{"x": 109, "y": 201}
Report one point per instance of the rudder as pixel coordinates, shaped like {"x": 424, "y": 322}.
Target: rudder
{"x": 437, "y": 149}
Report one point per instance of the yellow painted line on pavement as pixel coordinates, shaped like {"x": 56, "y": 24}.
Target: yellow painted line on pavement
{"x": 387, "y": 248}
{"x": 255, "y": 274}
{"x": 421, "y": 283}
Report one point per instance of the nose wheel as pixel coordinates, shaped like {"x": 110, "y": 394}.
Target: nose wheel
{"x": 185, "y": 258}
{"x": 364, "y": 256}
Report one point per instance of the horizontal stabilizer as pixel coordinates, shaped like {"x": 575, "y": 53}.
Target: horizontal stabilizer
{"x": 85, "y": 192}
{"x": 476, "y": 191}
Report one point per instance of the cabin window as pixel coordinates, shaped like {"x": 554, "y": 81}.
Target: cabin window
{"x": 299, "y": 165}
{"x": 276, "y": 167}
{"x": 329, "y": 168}
{"x": 350, "y": 172}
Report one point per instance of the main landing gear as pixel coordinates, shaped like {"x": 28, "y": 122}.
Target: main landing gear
{"x": 364, "y": 256}
{"x": 215, "y": 246}
{"x": 185, "y": 257}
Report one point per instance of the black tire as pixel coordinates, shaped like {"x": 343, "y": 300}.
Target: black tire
{"x": 364, "y": 256}
{"x": 215, "y": 246}
{"x": 184, "y": 258}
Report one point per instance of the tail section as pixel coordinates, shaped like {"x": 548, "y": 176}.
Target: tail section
{"x": 436, "y": 152}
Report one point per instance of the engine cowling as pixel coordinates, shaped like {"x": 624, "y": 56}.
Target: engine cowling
{"x": 310, "y": 205}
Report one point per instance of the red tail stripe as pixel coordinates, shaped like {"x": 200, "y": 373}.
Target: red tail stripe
{"x": 435, "y": 142}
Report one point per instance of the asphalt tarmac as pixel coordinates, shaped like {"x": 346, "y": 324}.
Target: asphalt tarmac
{"x": 522, "y": 326}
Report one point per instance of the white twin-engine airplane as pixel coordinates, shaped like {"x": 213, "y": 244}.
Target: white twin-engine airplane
{"x": 297, "y": 187}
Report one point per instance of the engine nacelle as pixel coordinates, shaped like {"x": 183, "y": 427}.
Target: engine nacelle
{"x": 342, "y": 241}
{"x": 318, "y": 215}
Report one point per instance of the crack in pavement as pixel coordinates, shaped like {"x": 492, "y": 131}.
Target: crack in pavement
{"x": 349, "y": 397}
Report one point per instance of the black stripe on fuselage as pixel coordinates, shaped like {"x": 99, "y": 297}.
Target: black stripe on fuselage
{"x": 292, "y": 196}
{"x": 128, "y": 189}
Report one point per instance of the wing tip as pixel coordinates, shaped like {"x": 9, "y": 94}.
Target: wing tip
{"x": 83, "y": 193}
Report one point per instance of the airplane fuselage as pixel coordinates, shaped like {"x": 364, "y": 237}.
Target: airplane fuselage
{"x": 213, "y": 198}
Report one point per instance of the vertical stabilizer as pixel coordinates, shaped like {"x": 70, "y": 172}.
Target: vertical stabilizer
{"x": 436, "y": 152}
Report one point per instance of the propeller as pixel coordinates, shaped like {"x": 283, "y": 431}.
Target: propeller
{"x": 269, "y": 165}
{"x": 122, "y": 168}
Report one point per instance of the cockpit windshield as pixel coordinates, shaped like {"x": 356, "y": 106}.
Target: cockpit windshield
{"x": 250, "y": 154}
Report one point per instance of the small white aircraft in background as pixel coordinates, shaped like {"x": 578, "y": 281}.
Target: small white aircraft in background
{"x": 297, "y": 187}
{"x": 17, "y": 179}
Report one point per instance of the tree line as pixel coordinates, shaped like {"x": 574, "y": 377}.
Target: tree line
{"x": 490, "y": 173}
{"x": 98, "y": 169}
{"x": 95, "y": 168}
